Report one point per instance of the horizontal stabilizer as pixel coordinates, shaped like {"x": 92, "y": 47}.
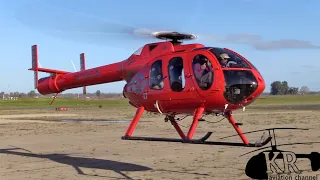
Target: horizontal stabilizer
{"x": 49, "y": 70}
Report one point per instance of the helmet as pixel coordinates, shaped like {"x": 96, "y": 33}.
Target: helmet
{"x": 224, "y": 56}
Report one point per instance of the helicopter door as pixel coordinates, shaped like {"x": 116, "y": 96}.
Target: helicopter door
{"x": 179, "y": 88}
{"x": 203, "y": 74}
{"x": 176, "y": 74}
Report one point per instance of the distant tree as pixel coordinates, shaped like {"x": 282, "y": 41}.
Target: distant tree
{"x": 282, "y": 88}
{"x": 32, "y": 93}
{"x": 293, "y": 91}
{"x": 285, "y": 87}
{"x": 304, "y": 90}
{"x": 277, "y": 88}
{"x": 98, "y": 93}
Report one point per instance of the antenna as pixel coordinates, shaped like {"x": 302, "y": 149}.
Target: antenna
{"x": 74, "y": 67}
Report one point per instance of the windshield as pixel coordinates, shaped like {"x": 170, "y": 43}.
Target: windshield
{"x": 228, "y": 59}
{"x": 138, "y": 51}
{"x": 240, "y": 84}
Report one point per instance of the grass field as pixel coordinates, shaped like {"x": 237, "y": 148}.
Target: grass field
{"x": 70, "y": 102}
{"x": 288, "y": 100}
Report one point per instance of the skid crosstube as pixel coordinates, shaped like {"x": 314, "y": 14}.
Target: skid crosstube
{"x": 187, "y": 138}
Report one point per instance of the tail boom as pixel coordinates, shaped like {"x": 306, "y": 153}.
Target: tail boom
{"x": 60, "y": 81}
{"x": 94, "y": 76}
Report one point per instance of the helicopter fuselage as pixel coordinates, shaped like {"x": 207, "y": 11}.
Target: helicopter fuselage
{"x": 162, "y": 78}
{"x": 180, "y": 92}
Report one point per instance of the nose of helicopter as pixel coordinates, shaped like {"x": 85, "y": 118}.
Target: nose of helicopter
{"x": 242, "y": 86}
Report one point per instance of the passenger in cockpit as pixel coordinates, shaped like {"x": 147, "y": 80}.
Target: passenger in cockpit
{"x": 159, "y": 79}
{"x": 203, "y": 72}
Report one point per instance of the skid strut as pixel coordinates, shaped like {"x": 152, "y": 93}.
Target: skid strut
{"x": 135, "y": 120}
{"x": 188, "y": 139}
{"x": 237, "y": 128}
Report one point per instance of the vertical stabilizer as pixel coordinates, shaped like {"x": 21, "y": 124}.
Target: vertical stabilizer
{"x": 35, "y": 63}
{"x": 82, "y": 68}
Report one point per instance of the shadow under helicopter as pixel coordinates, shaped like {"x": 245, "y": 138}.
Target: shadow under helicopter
{"x": 93, "y": 163}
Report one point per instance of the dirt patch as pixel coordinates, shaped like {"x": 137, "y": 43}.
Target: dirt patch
{"x": 31, "y": 149}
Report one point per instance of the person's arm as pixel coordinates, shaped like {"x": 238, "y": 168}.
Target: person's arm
{"x": 209, "y": 66}
{"x": 197, "y": 70}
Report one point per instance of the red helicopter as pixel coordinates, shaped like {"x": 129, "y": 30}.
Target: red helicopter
{"x": 171, "y": 78}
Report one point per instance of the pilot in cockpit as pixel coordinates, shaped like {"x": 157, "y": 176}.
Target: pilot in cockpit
{"x": 224, "y": 59}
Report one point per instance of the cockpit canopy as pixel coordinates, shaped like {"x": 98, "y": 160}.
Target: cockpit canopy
{"x": 228, "y": 59}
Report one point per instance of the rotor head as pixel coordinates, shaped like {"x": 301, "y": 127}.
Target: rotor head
{"x": 174, "y": 37}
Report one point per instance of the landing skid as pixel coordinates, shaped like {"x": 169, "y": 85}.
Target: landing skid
{"x": 197, "y": 141}
{"x": 188, "y": 138}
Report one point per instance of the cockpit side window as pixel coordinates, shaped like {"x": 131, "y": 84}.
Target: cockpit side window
{"x": 203, "y": 71}
{"x": 228, "y": 59}
{"x": 156, "y": 76}
{"x": 176, "y": 74}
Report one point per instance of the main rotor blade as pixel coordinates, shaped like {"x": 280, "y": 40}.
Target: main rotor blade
{"x": 76, "y": 26}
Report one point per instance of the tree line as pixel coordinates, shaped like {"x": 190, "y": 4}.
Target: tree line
{"x": 282, "y": 88}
